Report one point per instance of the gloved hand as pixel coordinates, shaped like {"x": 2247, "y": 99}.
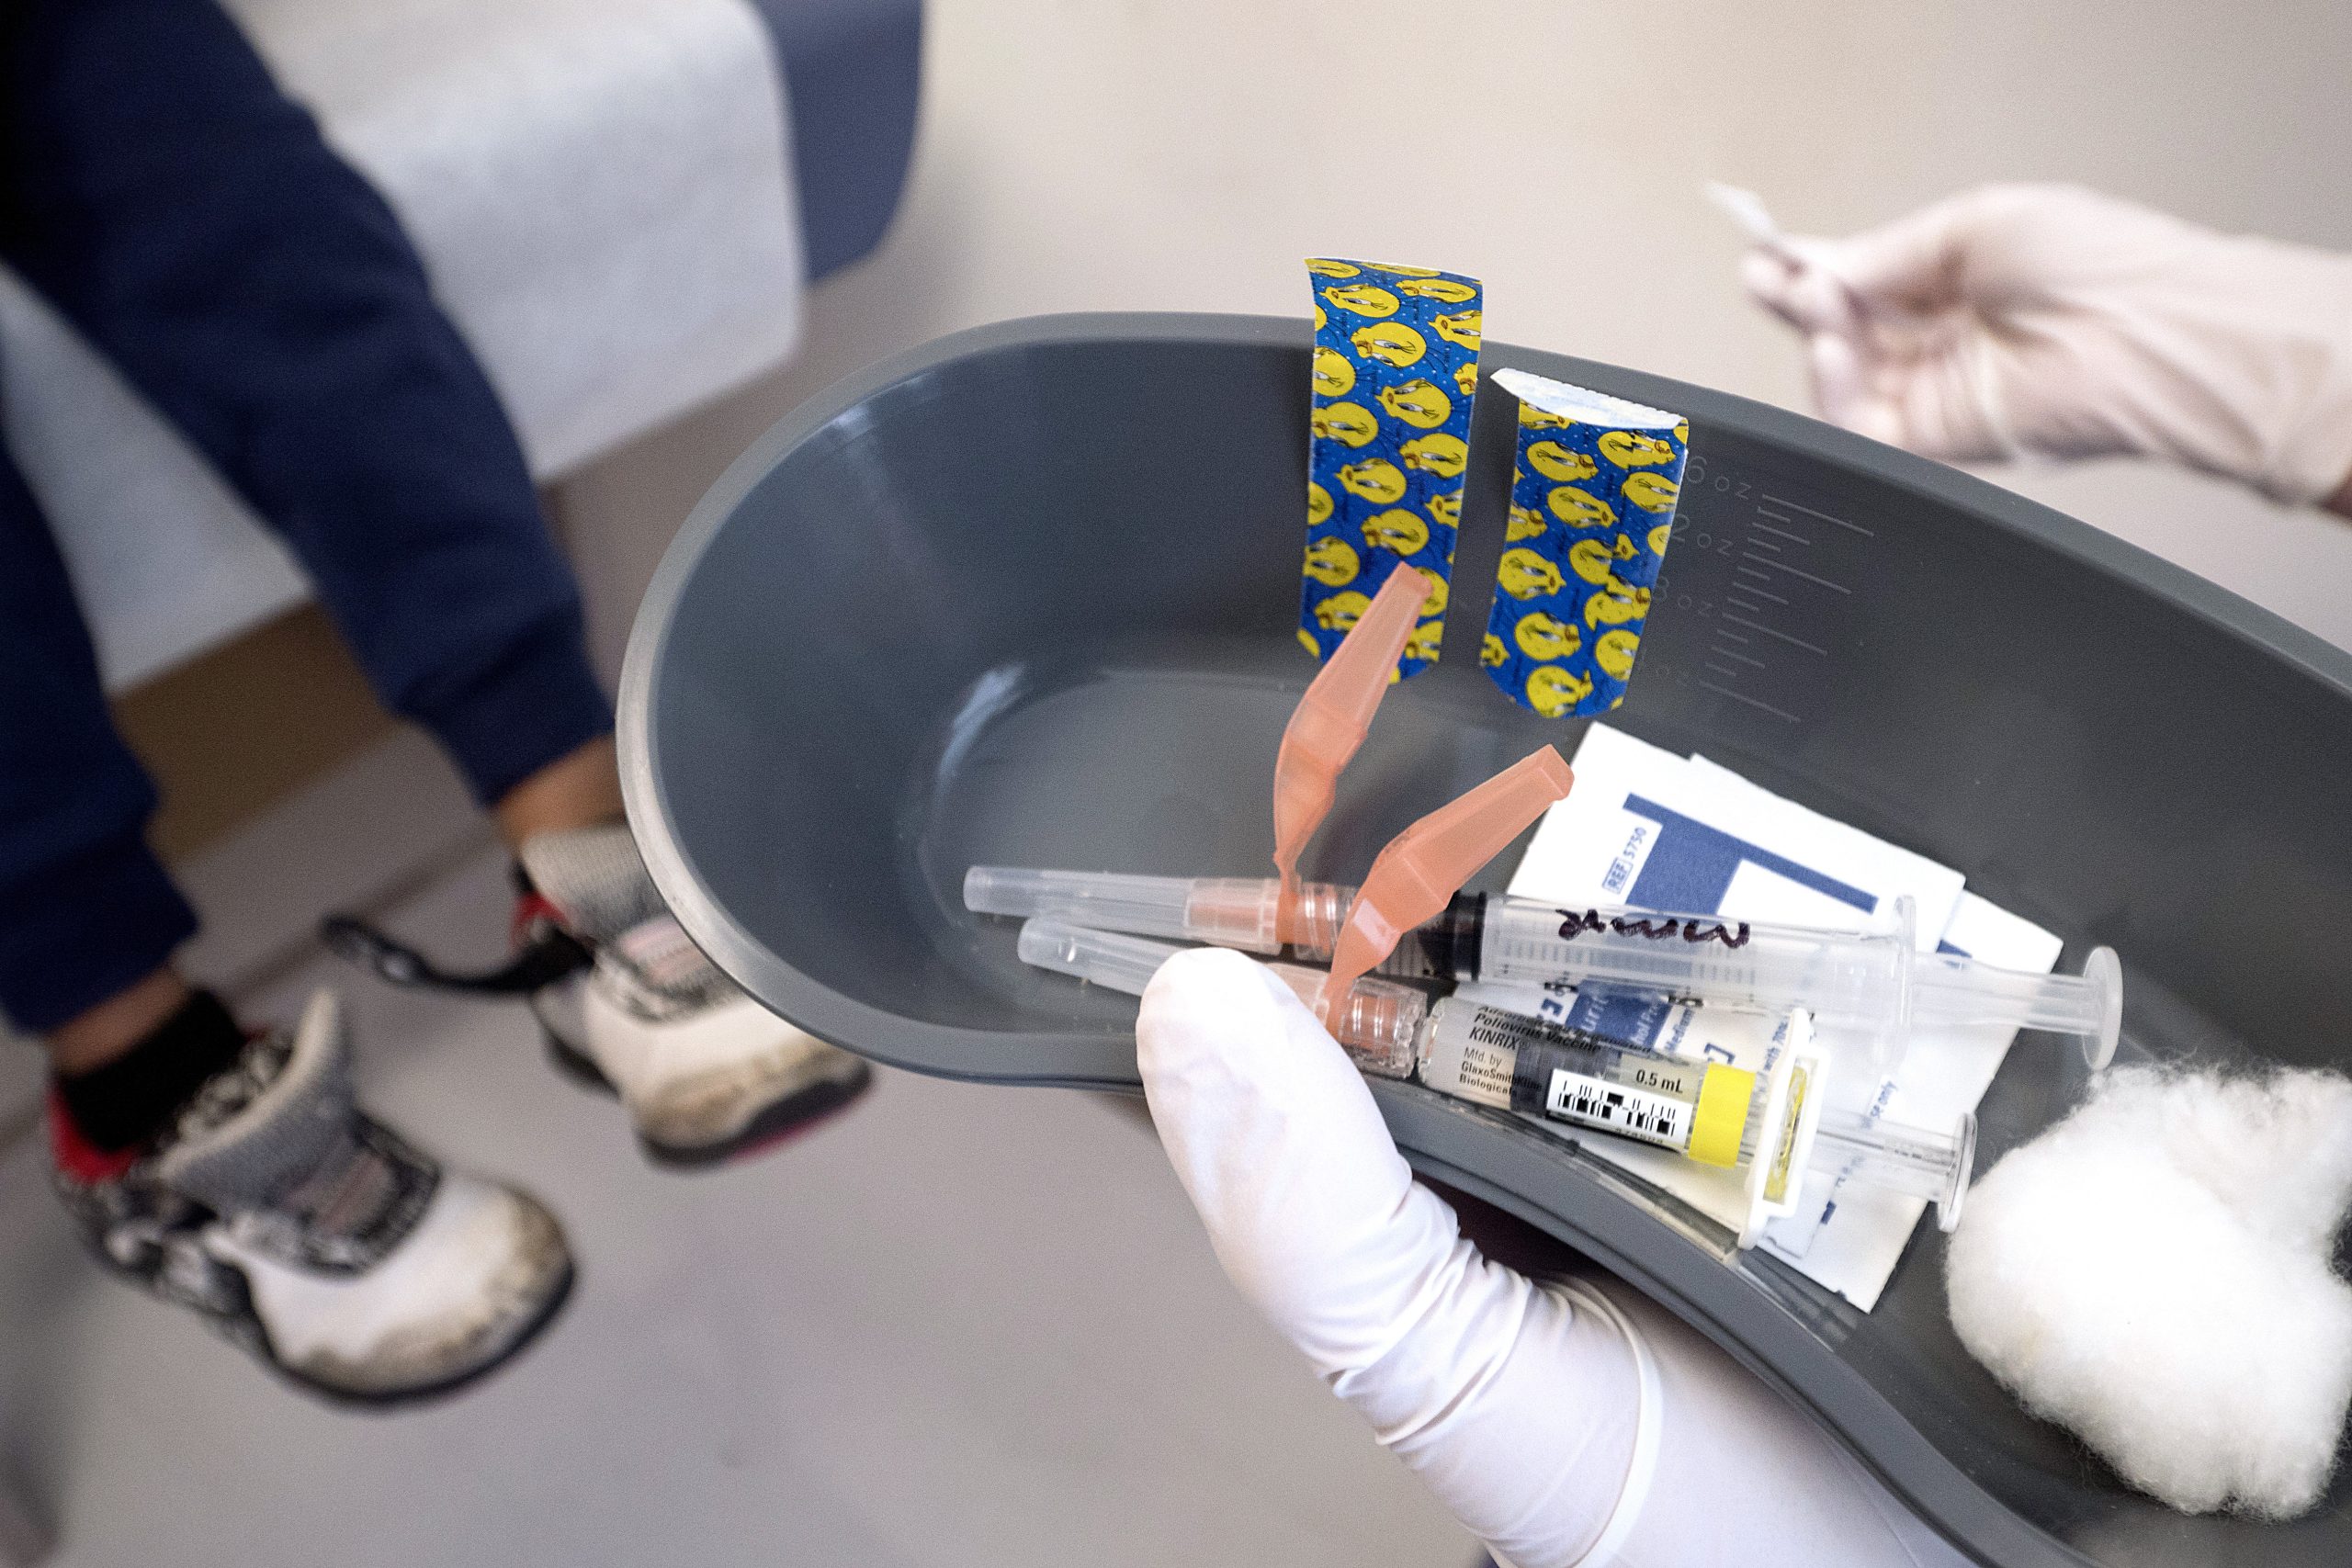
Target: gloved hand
{"x": 1562, "y": 1421}
{"x": 2052, "y": 320}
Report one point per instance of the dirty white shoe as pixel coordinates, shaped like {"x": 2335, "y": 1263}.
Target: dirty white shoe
{"x": 630, "y": 1004}
{"x": 315, "y": 1237}
{"x": 705, "y": 1071}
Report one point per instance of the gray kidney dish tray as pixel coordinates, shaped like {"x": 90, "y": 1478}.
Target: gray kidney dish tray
{"x": 1028, "y": 595}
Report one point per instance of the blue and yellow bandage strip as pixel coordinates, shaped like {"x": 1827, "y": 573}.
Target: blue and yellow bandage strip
{"x": 1591, "y": 510}
{"x": 1396, "y": 370}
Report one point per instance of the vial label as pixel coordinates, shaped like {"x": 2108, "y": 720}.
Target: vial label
{"x": 1615, "y": 1108}
{"x": 1478, "y": 1053}
{"x": 1465, "y": 1060}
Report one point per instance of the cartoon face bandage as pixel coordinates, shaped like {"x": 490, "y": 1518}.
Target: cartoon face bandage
{"x": 1395, "y": 372}
{"x": 1591, "y": 510}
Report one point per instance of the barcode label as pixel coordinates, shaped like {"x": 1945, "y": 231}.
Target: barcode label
{"x": 1613, "y": 1107}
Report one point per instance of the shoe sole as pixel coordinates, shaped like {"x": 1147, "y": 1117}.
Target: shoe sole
{"x": 793, "y": 1115}
{"x": 244, "y": 1328}
{"x": 394, "y": 1399}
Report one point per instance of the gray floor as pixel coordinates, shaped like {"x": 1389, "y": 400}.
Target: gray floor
{"x": 958, "y": 1325}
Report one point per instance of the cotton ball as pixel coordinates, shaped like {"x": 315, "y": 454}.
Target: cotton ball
{"x": 2277, "y": 1150}
{"x": 2153, "y": 1274}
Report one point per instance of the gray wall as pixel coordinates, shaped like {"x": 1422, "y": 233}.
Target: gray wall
{"x": 1187, "y": 154}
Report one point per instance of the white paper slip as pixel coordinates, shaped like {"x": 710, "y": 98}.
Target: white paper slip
{"x": 1820, "y": 842}
{"x": 1647, "y": 827}
{"x": 1982, "y": 930}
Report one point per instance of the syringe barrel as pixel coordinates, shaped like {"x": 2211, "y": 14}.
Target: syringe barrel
{"x": 1520, "y": 1062}
{"x": 1235, "y": 911}
{"x": 1921, "y": 1161}
{"x": 1846, "y": 979}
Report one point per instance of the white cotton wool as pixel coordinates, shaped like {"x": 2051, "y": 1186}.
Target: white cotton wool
{"x": 2155, "y": 1274}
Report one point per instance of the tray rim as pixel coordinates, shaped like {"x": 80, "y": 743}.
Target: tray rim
{"x": 1435, "y": 1137}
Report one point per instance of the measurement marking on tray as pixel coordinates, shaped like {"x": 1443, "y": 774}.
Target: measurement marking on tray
{"x": 1810, "y": 512}
{"x": 1751, "y": 588}
{"x": 1727, "y": 674}
{"x": 1744, "y": 605}
{"x": 1792, "y": 571}
{"x": 1727, "y": 653}
{"x": 1751, "y": 702}
{"x": 1776, "y": 517}
{"x": 1733, "y": 636}
{"x": 1764, "y": 544}
{"x": 1793, "y": 642}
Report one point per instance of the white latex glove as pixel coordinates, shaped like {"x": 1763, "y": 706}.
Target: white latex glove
{"x": 1562, "y": 1421}
{"x": 2048, "y": 319}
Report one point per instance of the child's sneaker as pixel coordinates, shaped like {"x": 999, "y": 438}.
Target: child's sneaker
{"x": 628, "y": 1003}
{"x": 311, "y": 1233}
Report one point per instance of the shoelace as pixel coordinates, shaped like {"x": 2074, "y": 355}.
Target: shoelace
{"x": 352, "y": 1210}
{"x": 549, "y": 956}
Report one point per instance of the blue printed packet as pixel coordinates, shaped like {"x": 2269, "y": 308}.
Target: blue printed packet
{"x": 1395, "y": 372}
{"x": 1591, "y": 510}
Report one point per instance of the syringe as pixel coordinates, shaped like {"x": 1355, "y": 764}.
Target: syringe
{"x": 1875, "y": 984}
{"x": 1701, "y": 1109}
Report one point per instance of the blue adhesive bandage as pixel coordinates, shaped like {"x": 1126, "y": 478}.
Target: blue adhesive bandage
{"x": 1591, "y": 510}
{"x": 1396, "y": 371}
